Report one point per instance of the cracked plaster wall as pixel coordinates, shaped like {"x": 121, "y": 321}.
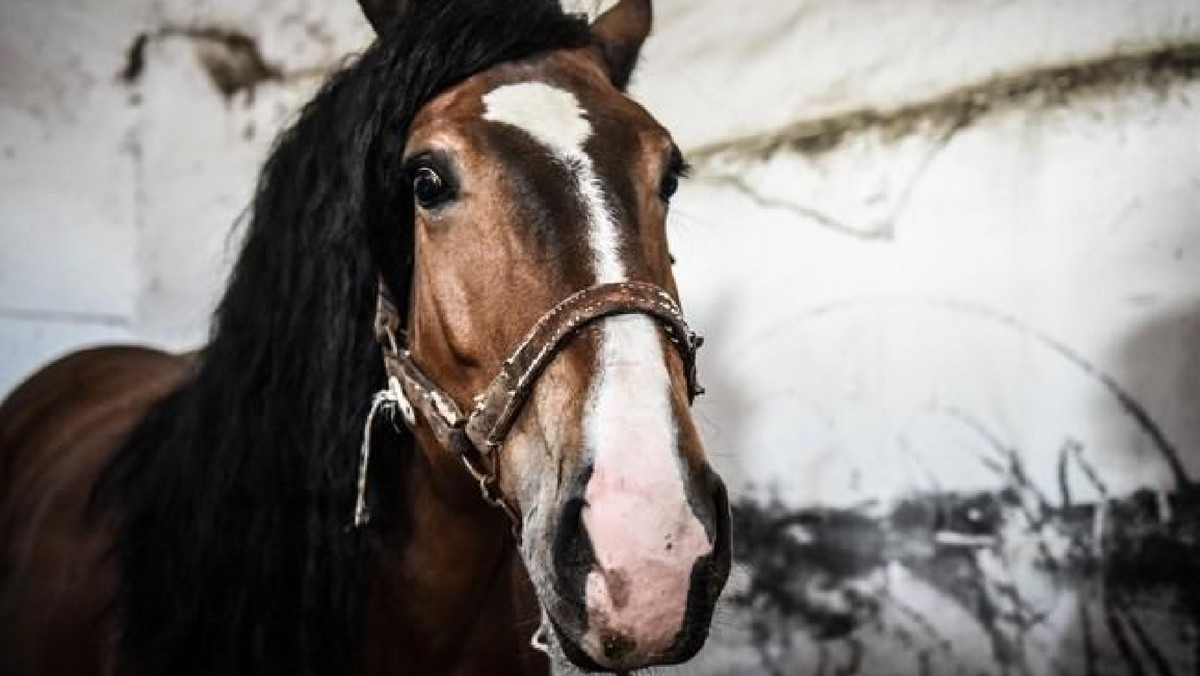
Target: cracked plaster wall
{"x": 919, "y": 235}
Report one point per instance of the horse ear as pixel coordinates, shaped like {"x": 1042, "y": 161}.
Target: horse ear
{"x": 619, "y": 33}
{"x": 381, "y": 12}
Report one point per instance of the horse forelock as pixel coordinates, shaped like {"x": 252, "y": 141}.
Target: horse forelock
{"x": 232, "y": 498}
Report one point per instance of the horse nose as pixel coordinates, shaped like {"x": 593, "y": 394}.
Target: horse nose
{"x": 651, "y": 549}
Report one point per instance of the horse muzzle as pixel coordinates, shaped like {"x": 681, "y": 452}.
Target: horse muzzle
{"x": 638, "y": 579}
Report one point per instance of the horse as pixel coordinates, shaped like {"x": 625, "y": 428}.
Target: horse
{"x": 442, "y": 421}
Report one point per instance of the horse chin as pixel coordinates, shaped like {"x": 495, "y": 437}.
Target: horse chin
{"x": 567, "y": 635}
{"x": 587, "y": 660}
{"x": 570, "y": 649}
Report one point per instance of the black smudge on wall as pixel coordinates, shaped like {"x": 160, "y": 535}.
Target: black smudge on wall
{"x": 231, "y": 58}
{"x": 821, "y": 574}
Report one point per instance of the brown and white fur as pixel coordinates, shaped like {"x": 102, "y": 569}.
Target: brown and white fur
{"x": 557, "y": 185}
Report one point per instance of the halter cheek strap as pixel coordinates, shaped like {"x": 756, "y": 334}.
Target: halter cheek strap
{"x": 476, "y": 436}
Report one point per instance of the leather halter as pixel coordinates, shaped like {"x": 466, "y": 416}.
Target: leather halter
{"x": 476, "y": 436}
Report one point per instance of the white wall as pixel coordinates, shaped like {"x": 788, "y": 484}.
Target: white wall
{"x": 118, "y": 199}
{"x": 928, "y": 241}
{"x": 947, "y": 256}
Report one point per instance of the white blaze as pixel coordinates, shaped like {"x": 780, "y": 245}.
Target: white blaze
{"x": 554, "y": 117}
{"x": 643, "y": 532}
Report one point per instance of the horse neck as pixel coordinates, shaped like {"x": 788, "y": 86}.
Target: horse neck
{"x": 451, "y": 594}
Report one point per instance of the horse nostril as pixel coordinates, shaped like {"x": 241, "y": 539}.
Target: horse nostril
{"x": 617, "y": 647}
{"x": 720, "y": 497}
{"x": 571, "y": 545}
{"x": 573, "y": 558}
{"x": 709, "y": 573}
{"x": 722, "y": 540}
{"x": 714, "y": 512}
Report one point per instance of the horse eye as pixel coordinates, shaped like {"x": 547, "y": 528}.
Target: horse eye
{"x": 429, "y": 188}
{"x": 669, "y": 185}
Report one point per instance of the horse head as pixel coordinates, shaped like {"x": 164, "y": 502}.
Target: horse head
{"x": 533, "y": 181}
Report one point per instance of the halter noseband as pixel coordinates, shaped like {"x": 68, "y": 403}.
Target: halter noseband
{"x": 477, "y": 436}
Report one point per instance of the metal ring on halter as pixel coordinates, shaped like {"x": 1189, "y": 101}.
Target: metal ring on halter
{"x": 485, "y": 479}
{"x": 488, "y": 490}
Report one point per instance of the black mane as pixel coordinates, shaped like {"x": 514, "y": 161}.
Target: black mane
{"x": 234, "y": 495}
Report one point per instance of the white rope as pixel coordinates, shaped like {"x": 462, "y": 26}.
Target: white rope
{"x": 387, "y": 400}
{"x": 540, "y": 641}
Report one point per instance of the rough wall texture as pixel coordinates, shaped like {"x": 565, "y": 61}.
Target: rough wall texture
{"x": 947, "y": 256}
{"x": 131, "y": 136}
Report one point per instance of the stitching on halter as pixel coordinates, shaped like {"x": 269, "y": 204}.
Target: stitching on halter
{"x": 481, "y": 432}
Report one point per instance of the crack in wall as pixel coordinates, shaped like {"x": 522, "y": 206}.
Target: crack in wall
{"x": 811, "y": 214}
{"x": 939, "y": 119}
{"x": 1042, "y": 88}
{"x": 884, "y": 231}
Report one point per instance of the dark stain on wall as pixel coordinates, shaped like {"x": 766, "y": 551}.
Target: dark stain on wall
{"x": 1052, "y": 86}
{"x": 231, "y": 59}
{"x": 1133, "y": 561}
{"x": 135, "y": 59}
